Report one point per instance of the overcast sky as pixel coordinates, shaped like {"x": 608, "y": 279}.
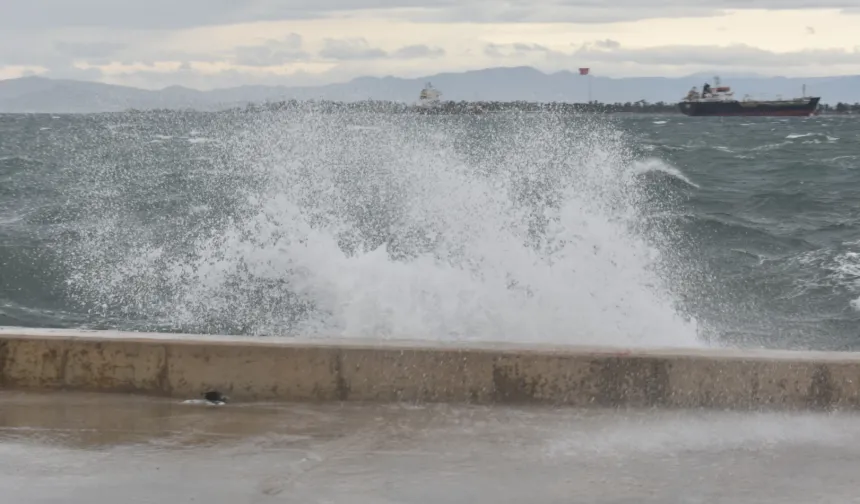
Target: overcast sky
{"x": 218, "y": 43}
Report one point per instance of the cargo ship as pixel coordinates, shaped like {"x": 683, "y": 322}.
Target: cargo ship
{"x": 720, "y": 101}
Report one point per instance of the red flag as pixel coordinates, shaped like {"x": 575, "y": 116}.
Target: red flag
{"x": 583, "y": 71}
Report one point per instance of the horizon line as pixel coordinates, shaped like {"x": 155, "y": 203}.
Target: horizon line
{"x": 573, "y": 72}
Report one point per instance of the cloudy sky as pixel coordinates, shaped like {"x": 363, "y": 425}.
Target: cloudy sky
{"x": 218, "y": 43}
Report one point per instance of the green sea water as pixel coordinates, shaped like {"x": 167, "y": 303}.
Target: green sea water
{"x": 622, "y": 230}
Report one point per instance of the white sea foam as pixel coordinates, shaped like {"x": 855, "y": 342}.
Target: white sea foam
{"x": 412, "y": 228}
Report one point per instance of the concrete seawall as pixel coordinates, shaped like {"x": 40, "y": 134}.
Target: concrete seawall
{"x": 351, "y": 370}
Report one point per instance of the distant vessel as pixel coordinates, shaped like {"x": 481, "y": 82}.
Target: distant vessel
{"x": 429, "y": 97}
{"x": 720, "y": 101}
{"x": 430, "y": 102}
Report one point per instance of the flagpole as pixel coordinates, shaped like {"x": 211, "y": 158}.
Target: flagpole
{"x": 584, "y": 71}
{"x": 589, "y": 87}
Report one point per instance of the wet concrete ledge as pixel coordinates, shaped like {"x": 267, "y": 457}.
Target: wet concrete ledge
{"x": 387, "y": 371}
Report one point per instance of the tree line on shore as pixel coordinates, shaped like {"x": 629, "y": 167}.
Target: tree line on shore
{"x": 472, "y": 107}
{"x": 466, "y": 107}
{"x": 478, "y": 107}
{"x": 840, "y": 108}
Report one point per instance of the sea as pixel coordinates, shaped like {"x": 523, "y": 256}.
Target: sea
{"x": 621, "y": 230}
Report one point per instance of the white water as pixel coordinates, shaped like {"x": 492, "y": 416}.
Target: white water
{"x": 400, "y": 230}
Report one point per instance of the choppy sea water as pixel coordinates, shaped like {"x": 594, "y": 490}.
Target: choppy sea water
{"x": 621, "y": 230}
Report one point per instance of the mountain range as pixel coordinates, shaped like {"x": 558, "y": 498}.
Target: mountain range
{"x": 43, "y": 95}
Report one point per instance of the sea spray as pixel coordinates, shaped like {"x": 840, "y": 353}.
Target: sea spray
{"x": 518, "y": 228}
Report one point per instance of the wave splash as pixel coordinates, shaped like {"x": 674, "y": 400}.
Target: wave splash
{"x": 528, "y": 229}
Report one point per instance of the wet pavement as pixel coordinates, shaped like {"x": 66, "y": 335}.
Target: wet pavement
{"x": 81, "y": 448}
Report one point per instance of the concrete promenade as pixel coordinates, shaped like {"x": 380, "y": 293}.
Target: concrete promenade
{"x": 92, "y": 417}
{"x": 95, "y": 448}
{"x": 400, "y": 371}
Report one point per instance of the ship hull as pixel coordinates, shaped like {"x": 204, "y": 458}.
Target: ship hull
{"x": 751, "y": 108}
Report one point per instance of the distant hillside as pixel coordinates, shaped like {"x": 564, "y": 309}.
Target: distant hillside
{"x": 37, "y": 94}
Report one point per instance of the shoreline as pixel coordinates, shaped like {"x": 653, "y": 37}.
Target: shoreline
{"x": 471, "y": 108}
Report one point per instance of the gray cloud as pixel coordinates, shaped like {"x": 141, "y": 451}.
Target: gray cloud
{"x": 418, "y": 51}
{"x": 272, "y": 52}
{"x": 610, "y": 53}
{"x": 603, "y": 11}
{"x": 172, "y": 14}
{"x": 37, "y": 50}
{"x": 608, "y": 44}
{"x": 510, "y": 12}
{"x": 685, "y": 59}
{"x": 192, "y": 78}
{"x": 516, "y": 49}
{"x": 739, "y": 55}
{"x": 350, "y": 49}
{"x": 358, "y": 49}
{"x": 88, "y": 49}
{"x": 30, "y": 50}
{"x": 67, "y": 71}
{"x": 658, "y": 5}
{"x": 152, "y": 14}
